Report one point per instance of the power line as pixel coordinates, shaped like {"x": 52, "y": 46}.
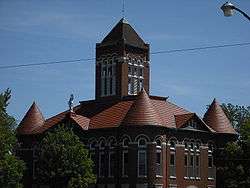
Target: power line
{"x": 47, "y": 63}
{"x": 201, "y": 48}
{"x": 152, "y": 53}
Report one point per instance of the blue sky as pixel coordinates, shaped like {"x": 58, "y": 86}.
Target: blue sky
{"x": 43, "y": 31}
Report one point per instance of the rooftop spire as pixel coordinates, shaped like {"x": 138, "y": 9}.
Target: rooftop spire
{"x": 123, "y": 8}
{"x": 32, "y": 120}
{"x": 142, "y": 112}
{"x": 217, "y": 119}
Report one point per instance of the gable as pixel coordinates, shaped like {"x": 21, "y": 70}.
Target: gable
{"x": 191, "y": 121}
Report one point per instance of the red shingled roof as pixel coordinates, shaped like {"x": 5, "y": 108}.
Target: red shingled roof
{"x": 54, "y": 121}
{"x": 167, "y": 111}
{"x": 217, "y": 119}
{"x": 134, "y": 110}
{"x": 142, "y": 112}
{"x": 137, "y": 110}
{"x": 82, "y": 121}
{"x": 33, "y": 119}
{"x": 182, "y": 119}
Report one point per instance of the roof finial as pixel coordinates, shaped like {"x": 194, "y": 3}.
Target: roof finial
{"x": 71, "y": 102}
{"x": 123, "y": 9}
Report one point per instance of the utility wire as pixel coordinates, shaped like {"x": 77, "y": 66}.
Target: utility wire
{"x": 201, "y": 48}
{"x": 47, "y": 63}
{"x": 152, "y": 53}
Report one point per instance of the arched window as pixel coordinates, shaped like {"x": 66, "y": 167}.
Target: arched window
{"x": 108, "y": 79}
{"x": 92, "y": 147}
{"x": 142, "y": 157}
{"x": 102, "y": 159}
{"x": 135, "y": 75}
{"x": 125, "y": 164}
{"x": 158, "y": 158}
{"x": 172, "y": 161}
{"x": 211, "y": 167}
{"x": 112, "y": 160}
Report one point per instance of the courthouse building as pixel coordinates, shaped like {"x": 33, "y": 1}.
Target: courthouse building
{"x": 136, "y": 140}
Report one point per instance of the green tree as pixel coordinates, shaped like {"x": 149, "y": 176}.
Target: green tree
{"x": 11, "y": 168}
{"x": 237, "y": 115}
{"x": 236, "y": 171}
{"x": 63, "y": 160}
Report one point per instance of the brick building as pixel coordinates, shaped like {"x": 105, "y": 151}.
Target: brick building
{"x": 135, "y": 140}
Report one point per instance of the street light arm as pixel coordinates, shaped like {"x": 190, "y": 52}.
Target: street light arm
{"x": 243, "y": 13}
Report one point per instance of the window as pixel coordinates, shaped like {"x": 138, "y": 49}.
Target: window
{"x": 172, "y": 145}
{"x": 111, "y": 157}
{"x": 192, "y": 159}
{"x": 142, "y": 163}
{"x": 197, "y": 167}
{"x": 197, "y": 147}
{"x": 92, "y": 148}
{"x": 125, "y": 163}
{"x": 142, "y": 158}
{"x": 108, "y": 78}
{"x": 210, "y": 161}
{"x": 172, "y": 165}
{"x": 111, "y": 164}
{"x": 101, "y": 164}
{"x": 141, "y": 85}
{"x": 210, "y": 148}
{"x": 135, "y": 86}
{"x": 102, "y": 159}
{"x": 197, "y": 160}
{"x": 110, "y": 70}
{"x": 130, "y": 86}
{"x": 135, "y": 71}
{"x": 172, "y": 159}
{"x": 135, "y": 74}
{"x": 158, "y": 158}
{"x": 211, "y": 168}
{"x": 125, "y": 142}
{"x": 186, "y": 146}
{"x": 191, "y": 146}
{"x": 142, "y": 143}
{"x": 141, "y": 72}
{"x": 186, "y": 160}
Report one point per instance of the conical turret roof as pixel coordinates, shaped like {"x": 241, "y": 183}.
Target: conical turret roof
{"x": 125, "y": 33}
{"x": 217, "y": 119}
{"x": 142, "y": 112}
{"x": 32, "y": 120}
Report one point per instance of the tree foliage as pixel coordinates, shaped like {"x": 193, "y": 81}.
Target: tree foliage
{"x": 237, "y": 115}
{"x": 11, "y": 168}
{"x": 236, "y": 170}
{"x": 63, "y": 159}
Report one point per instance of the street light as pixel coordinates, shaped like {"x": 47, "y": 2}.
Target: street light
{"x": 228, "y": 10}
